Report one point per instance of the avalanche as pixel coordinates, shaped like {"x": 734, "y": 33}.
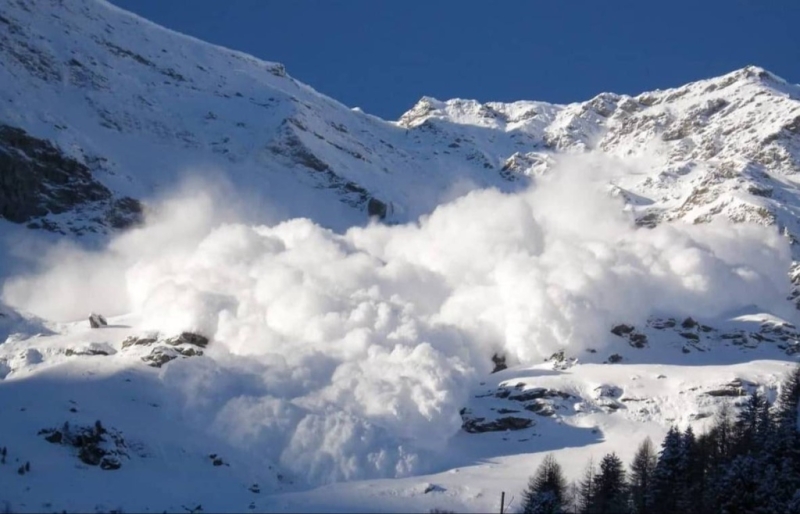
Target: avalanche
{"x": 270, "y": 347}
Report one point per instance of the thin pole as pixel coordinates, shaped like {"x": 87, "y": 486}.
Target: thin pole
{"x": 502, "y": 501}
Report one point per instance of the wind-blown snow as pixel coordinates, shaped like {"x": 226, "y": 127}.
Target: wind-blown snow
{"x": 346, "y": 356}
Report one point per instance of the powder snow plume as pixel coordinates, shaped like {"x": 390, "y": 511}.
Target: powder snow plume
{"x": 347, "y": 356}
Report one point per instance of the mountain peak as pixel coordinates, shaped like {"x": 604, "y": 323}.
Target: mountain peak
{"x": 752, "y": 71}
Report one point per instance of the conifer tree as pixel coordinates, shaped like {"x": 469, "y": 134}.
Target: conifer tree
{"x": 667, "y": 475}
{"x": 691, "y": 475}
{"x": 586, "y": 488}
{"x": 546, "y": 489}
{"x": 641, "y": 478}
{"x": 610, "y": 492}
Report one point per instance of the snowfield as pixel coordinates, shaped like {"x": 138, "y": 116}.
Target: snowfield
{"x": 307, "y": 308}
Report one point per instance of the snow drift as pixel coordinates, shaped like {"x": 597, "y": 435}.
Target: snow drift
{"x": 346, "y": 356}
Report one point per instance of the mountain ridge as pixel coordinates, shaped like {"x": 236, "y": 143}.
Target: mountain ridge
{"x": 271, "y": 132}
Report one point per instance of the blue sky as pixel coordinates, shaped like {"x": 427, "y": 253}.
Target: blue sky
{"x": 384, "y": 55}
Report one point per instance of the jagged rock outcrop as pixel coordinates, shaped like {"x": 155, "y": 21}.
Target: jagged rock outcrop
{"x": 37, "y": 179}
{"x": 164, "y": 350}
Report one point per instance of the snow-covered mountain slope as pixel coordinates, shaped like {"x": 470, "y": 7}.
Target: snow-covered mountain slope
{"x": 256, "y": 360}
{"x": 136, "y": 106}
{"x": 727, "y": 146}
{"x": 139, "y": 106}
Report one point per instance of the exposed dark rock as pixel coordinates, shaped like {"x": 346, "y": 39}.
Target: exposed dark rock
{"x": 542, "y": 408}
{"x": 161, "y": 355}
{"x": 615, "y": 358}
{"x": 622, "y": 330}
{"x": 37, "y": 179}
{"x": 110, "y": 463}
{"x": 689, "y": 323}
{"x": 139, "y": 341}
{"x": 608, "y": 391}
{"x": 726, "y": 392}
{"x": 377, "y": 208}
{"x": 480, "y": 425}
{"x": 638, "y": 340}
{"x": 277, "y": 69}
{"x": 763, "y": 191}
{"x": 536, "y": 393}
{"x": 649, "y": 220}
{"x": 758, "y": 337}
{"x": 189, "y": 351}
{"x": 97, "y": 320}
{"x": 433, "y": 488}
{"x": 736, "y": 387}
{"x": 690, "y": 336}
{"x": 55, "y": 437}
{"x": 499, "y": 363}
{"x": 90, "y": 454}
{"x": 96, "y": 445}
{"x": 123, "y": 213}
{"x": 290, "y": 145}
{"x": 661, "y": 324}
{"x": 188, "y": 338}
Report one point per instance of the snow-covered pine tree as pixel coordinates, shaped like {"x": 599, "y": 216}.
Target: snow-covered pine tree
{"x": 546, "y": 489}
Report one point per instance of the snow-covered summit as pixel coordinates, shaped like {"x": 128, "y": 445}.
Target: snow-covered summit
{"x": 724, "y": 146}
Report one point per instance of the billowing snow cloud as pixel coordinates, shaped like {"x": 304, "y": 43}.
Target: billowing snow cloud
{"x": 349, "y": 355}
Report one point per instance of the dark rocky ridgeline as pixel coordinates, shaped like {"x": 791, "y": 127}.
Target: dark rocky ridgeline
{"x": 37, "y": 180}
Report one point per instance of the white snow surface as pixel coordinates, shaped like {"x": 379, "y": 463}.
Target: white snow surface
{"x": 344, "y": 354}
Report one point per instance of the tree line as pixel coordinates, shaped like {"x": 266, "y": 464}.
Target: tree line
{"x": 746, "y": 462}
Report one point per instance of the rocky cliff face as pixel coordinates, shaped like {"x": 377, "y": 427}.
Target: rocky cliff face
{"x": 38, "y": 183}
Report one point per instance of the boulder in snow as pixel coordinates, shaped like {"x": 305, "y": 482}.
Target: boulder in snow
{"x": 97, "y": 320}
{"x": 188, "y": 338}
